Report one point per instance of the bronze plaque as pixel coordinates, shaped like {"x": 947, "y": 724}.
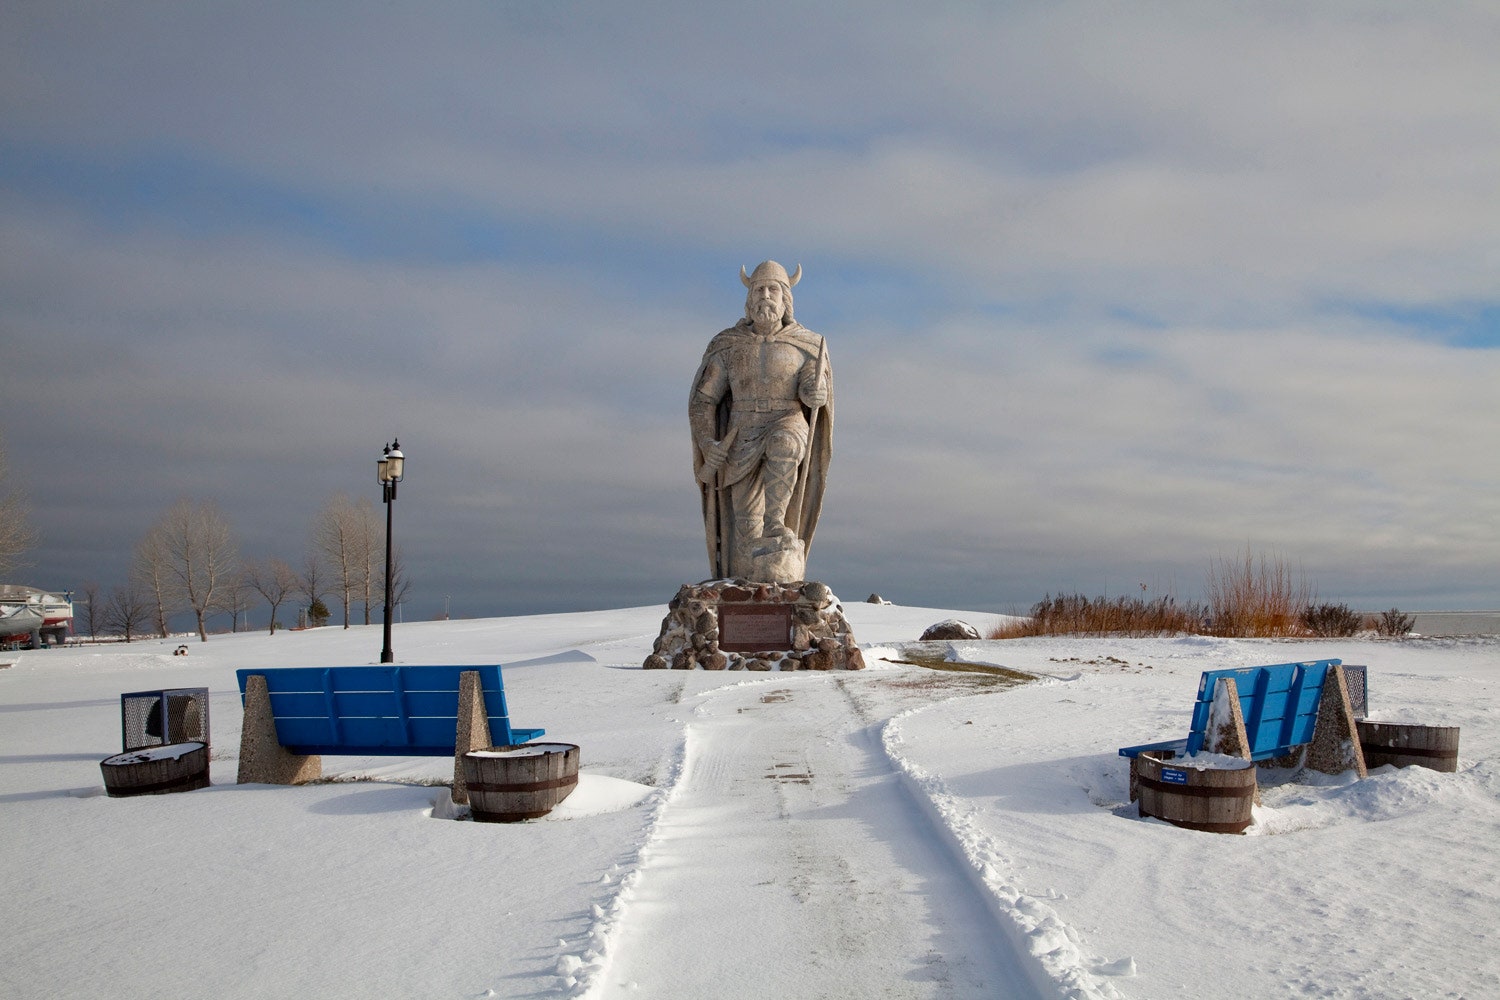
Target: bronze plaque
{"x": 755, "y": 628}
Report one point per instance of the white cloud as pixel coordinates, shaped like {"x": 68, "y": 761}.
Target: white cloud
{"x": 1229, "y": 177}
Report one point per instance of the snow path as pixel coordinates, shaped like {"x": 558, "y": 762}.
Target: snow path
{"x": 791, "y": 860}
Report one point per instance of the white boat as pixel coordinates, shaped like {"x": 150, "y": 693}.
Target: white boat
{"x": 29, "y": 611}
{"x": 20, "y": 619}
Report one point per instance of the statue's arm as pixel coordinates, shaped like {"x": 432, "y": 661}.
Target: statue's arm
{"x": 814, "y": 380}
{"x": 709, "y": 388}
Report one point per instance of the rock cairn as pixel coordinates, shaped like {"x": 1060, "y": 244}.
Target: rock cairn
{"x": 821, "y": 638}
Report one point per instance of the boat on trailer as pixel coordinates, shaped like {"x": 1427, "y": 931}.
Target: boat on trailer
{"x": 34, "y": 614}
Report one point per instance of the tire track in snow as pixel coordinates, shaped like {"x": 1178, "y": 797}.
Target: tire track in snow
{"x": 791, "y": 858}
{"x": 1051, "y": 944}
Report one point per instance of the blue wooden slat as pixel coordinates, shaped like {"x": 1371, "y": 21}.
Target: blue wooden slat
{"x": 1291, "y": 707}
{"x": 352, "y": 732}
{"x": 366, "y": 704}
{"x": 1306, "y": 718}
{"x": 398, "y": 692}
{"x": 420, "y": 678}
{"x": 442, "y": 678}
{"x": 346, "y": 750}
{"x": 424, "y": 704}
{"x": 335, "y": 733}
{"x": 1253, "y": 703}
{"x": 494, "y": 701}
{"x": 438, "y": 678}
{"x": 417, "y": 704}
{"x": 1275, "y": 706}
{"x": 296, "y": 705}
{"x": 1269, "y": 722}
{"x": 1176, "y": 746}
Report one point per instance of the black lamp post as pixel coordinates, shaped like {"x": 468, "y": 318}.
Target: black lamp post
{"x": 392, "y": 469}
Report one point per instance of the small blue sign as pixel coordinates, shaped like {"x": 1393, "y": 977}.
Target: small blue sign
{"x": 1172, "y": 776}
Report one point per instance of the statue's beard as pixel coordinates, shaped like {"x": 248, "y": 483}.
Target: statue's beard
{"x": 766, "y": 312}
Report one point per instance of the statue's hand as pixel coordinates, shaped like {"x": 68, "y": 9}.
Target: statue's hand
{"x": 812, "y": 390}
{"x": 715, "y": 454}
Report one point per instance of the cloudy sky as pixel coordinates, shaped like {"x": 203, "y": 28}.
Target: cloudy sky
{"x": 1110, "y": 290}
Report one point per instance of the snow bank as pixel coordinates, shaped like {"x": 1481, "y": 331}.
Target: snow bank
{"x": 374, "y": 884}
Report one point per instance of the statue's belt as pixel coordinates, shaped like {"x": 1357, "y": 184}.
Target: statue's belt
{"x": 764, "y": 405}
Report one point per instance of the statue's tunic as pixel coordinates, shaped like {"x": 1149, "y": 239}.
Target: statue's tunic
{"x": 748, "y": 387}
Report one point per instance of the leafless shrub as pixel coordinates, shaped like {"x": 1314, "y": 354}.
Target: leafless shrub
{"x": 1394, "y": 623}
{"x": 1332, "y": 620}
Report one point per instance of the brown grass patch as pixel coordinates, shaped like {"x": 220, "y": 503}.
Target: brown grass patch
{"x": 1256, "y": 596}
{"x": 1074, "y": 614}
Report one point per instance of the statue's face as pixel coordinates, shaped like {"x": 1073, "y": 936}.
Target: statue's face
{"x": 767, "y": 302}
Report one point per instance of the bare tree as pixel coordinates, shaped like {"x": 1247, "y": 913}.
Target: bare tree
{"x": 126, "y": 610}
{"x": 16, "y": 532}
{"x": 274, "y": 580}
{"x": 369, "y": 549}
{"x": 400, "y": 582}
{"x": 236, "y": 601}
{"x": 93, "y": 613}
{"x": 152, "y": 578}
{"x": 312, "y": 582}
{"x": 336, "y": 531}
{"x": 201, "y": 557}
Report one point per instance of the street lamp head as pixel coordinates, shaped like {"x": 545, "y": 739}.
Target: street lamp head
{"x": 395, "y": 468}
{"x": 391, "y": 466}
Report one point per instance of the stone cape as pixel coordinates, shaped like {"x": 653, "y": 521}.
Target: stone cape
{"x": 819, "y": 636}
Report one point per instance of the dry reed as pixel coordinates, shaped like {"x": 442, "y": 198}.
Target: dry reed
{"x": 1074, "y": 614}
{"x": 1249, "y": 596}
{"x": 1256, "y": 596}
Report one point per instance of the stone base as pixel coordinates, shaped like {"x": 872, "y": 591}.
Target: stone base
{"x": 262, "y": 759}
{"x": 820, "y": 637}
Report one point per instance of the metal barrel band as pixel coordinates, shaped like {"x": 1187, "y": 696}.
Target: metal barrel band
{"x": 1390, "y": 751}
{"x": 159, "y": 786}
{"x": 507, "y": 817}
{"x": 524, "y": 786}
{"x": 1200, "y": 791}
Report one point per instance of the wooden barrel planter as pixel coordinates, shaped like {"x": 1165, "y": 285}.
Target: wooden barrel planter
{"x": 174, "y": 767}
{"x": 1214, "y": 799}
{"x": 508, "y": 784}
{"x": 1434, "y": 747}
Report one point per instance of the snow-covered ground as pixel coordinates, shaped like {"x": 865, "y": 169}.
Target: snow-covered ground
{"x": 896, "y": 832}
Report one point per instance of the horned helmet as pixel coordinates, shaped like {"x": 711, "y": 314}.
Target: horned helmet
{"x": 769, "y": 270}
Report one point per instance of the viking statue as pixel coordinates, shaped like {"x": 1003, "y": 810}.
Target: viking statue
{"x": 761, "y": 414}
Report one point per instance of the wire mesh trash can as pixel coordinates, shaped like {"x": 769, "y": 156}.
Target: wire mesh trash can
{"x": 159, "y": 718}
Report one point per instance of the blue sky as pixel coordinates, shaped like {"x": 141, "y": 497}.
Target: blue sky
{"x": 1109, "y": 292}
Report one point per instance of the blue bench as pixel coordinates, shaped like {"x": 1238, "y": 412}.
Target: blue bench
{"x": 1279, "y": 705}
{"x": 294, "y": 715}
